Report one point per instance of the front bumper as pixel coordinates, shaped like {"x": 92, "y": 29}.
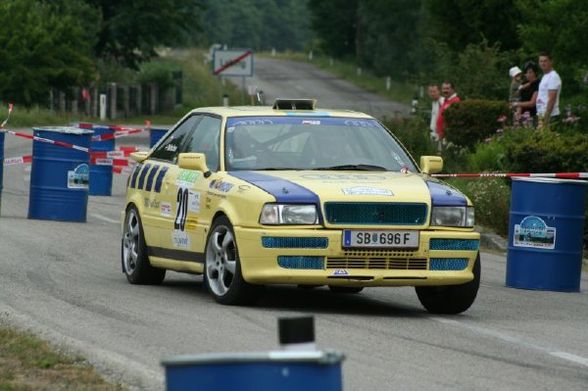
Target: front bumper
{"x": 355, "y": 267}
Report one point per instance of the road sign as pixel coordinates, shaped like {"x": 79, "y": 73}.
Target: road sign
{"x": 234, "y": 62}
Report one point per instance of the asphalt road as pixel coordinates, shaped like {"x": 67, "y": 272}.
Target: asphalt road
{"x": 63, "y": 281}
{"x": 295, "y": 79}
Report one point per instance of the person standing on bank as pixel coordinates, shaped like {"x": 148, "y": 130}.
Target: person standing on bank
{"x": 526, "y": 111}
{"x": 436, "y": 102}
{"x": 549, "y": 92}
{"x": 450, "y": 97}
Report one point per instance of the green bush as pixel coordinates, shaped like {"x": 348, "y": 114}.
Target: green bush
{"x": 159, "y": 72}
{"x": 545, "y": 151}
{"x": 471, "y": 121}
{"x": 487, "y": 157}
{"x": 491, "y": 198}
{"x": 413, "y": 133}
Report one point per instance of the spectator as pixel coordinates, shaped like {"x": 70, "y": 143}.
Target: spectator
{"x": 526, "y": 112}
{"x": 436, "y": 102}
{"x": 515, "y": 84}
{"x": 549, "y": 92}
{"x": 450, "y": 97}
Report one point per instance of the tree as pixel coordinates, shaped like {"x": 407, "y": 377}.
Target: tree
{"x": 131, "y": 30}
{"x": 42, "y": 45}
{"x": 335, "y": 23}
{"x": 560, "y": 27}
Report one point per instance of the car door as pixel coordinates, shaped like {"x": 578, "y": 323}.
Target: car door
{"x": 184, "y": 190}
{"x": 157, "y": 207}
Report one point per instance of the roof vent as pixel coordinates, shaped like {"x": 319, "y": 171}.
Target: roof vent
{"x": 294, "y": 104}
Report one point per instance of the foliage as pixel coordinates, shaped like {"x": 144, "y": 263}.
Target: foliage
{"x": 560, "y": 27}
{"x": 257, "y": 24}
{"x": 131, "y": 30}
{"x": 488, "y": 157}
{"x": 159, "y": 72}
{"x": 471, "y": 121}
{"x": 413, "y": 133}
{"x": 462, "y": 22}
{"x": 335, "y": 23}
{"x": 546, "y": 151}
{"x": 491, "y": 198}
{"x": 43, "y": 45}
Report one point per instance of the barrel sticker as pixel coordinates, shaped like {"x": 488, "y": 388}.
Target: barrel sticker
{"x": 533, "y": 232}
{"x": 79, "y": 178}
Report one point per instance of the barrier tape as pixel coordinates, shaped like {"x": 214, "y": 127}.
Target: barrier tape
{"x": 560, "y": 175}
{"x": 121, "y": 132}
{"x": 10, "y": 161}
{"x": 47, "y": 141}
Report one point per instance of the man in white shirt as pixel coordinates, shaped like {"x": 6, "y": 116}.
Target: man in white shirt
{"x": 549, "y": 92}
{"x": 437, "y": 100}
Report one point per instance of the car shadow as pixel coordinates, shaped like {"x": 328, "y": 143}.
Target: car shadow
{"x": 321, "y": 300}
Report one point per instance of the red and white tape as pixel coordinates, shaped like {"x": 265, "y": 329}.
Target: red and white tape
{"x": 47, "y": 141}
{"x": 10, "y": 107}
{"x": 11, "y": 161}
{"x": 560, "y": 175}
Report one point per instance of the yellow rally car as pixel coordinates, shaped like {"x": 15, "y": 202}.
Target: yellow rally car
{"x": 291, "y": 194}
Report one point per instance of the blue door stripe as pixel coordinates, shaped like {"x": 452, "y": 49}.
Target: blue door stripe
{"x": 135, "y": 175}
{"x": 150, "y": 178}
{"x": 142, "y": 176}
{"x": 159, "y": 179}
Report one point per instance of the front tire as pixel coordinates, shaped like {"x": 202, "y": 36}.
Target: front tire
{"x": 135, "y": 263}
{"x": 222, "y": 268}
{"x": 450, "y": 299}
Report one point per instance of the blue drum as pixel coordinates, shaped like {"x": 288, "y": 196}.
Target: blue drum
{"x": 155, "y": 134}
{"x": 60, "y": 175}
{"x": 100, "y": 171}
{"x": 280, "y": 370}
{"x": 545, "y": 235}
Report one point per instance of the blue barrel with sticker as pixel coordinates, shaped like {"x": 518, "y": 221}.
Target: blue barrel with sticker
{"x": 100, "y": 169}
{"x": 1, "y": 166}
{"x": 280, "y": 370}
{"x": 60, "y": 174}
{"x": 155, "y": 134}
{"x": 546, "y": 234}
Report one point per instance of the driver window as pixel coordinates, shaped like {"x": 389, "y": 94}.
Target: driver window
{"x": 170, "y": 147}
{"x": 205, "y": 139}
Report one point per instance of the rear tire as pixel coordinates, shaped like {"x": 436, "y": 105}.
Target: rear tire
{"x": 450, "y": 299}
{"x": 222, "y": 267}
{"x": 346, "y": 289}
{"x": 135, "y": 262}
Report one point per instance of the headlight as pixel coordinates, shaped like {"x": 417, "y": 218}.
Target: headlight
{"x": 453, "y": 216}
{"x": 273, "y": 214}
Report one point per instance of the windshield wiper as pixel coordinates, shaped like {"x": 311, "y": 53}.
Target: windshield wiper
{"x": 351, "y": 167}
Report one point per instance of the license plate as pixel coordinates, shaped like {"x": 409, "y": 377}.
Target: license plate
{"x": 380, "y": 239}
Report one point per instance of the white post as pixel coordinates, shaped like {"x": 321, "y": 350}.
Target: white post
{"x": 358, "y": 71}
{"x": 388, "y": 83}
{"x": 310, "y": 55}
{"x": 102, "y": 107}
{"x": 226, "y": 100}
{"x": 273, "y": 52}
{"x": 331, "y": 62}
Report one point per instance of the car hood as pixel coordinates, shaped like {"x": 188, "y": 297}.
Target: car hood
{"x": 352, "y": 186}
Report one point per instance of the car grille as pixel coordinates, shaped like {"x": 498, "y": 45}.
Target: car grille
{"x": 376, "y": 213}
{"x": 374, "y": 259}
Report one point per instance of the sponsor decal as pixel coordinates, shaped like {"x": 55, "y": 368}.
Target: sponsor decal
{"x": 217, "y": 184}
{"x": 149, "y": 203}
{"x": 193, "y": 201}
{"x": 165, "y": 209}
{"x": 343, "y": 177}
{"x": 533, "y": 232}
{"x": 171, "y": 147}
{"x": 79, "y": 177}
{"x": 180, "y": 239}
{"x": 186, "y": 178}
{"x": 340, "y": 272}
{"x": 311, "y": 122}
{"x": 364, "y": 190}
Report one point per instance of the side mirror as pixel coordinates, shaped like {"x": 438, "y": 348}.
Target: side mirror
{"x": 431, "y": 164}
{"x": 193, "y": 161}
{"x": 139, "y": 156}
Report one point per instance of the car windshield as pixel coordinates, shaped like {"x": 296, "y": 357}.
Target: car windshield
{"x": 312, "y": 143}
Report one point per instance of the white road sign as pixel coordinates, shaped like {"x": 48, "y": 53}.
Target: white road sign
{"x": 235, "y": 62}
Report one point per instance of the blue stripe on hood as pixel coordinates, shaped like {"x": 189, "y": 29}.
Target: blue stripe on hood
{"x": 285, "y": 191}
{"x": 444, "y": 195}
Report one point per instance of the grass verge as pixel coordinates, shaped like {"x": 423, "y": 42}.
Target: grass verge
{"x": 28, "y": 363}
